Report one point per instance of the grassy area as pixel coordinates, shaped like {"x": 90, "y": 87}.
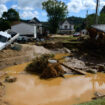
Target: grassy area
{"x": 69, "y": 39}
{"x": 95, "y": 102}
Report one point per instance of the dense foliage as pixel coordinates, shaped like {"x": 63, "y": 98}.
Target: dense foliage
{"x": 56, "y": 11}
{"x": 103, "y": 10}
{"x": 8, "y": 18}
{"x": 11, "y": 15}
{"x": 4, "y": 25}
{"x": 90, "y": 20}
{"x": 102, "y": 18}
{"x": 78, "y": 22}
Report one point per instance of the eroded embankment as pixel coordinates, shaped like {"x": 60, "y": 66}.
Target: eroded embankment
{"x": 30, "y": 89}
{"x": 9, "y": 57}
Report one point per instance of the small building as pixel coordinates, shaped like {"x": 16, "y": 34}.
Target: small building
{"x": 84, "y": 32}
{"x": 66, "y": 27}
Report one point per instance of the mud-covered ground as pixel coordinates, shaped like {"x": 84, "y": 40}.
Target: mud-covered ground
{"x": 9, "y": 57}
{"x": 80, "y": 57}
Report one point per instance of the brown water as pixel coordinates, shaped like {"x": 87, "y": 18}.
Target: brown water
{"x": 30, "y": 90}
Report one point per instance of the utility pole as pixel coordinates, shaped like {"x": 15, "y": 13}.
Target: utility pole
{"x": 87, "y": 18}
{"x": 97, "y": 7}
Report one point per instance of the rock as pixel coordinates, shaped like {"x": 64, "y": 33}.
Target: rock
{"x": 67, "y": 50}
{"x": 1, "y": 84}
{"x": 10, "y": 79}
{"x": 67, "y": 59}
{"x": 16, "y": 47}
{"x": 52, "y": 61}
{"x": 101, "y": 68}
{"x": 94, "y": 71}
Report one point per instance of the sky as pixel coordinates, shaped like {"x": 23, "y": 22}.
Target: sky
{"x": 29, "y": 9}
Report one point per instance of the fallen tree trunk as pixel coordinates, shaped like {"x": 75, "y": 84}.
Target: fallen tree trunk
{"x": 78, "y": 71}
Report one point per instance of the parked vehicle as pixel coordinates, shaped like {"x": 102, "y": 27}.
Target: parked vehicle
{"x": 76, "y": 34}
{"x": 24, "y": 39}
{"x": 6, "y": 39}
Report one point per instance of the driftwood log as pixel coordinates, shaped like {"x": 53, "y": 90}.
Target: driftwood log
{"x": 78, "y": 71}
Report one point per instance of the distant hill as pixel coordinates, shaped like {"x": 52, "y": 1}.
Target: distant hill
{"x": 78, "y": 22}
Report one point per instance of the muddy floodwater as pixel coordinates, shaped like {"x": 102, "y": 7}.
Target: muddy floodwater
{"x": 31, "y": 90}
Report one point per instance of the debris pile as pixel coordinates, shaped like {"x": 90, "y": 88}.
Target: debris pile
{"x": 53, "y": 71}
{"x": 97, "y": 32}
{"x": 44, "y": 69}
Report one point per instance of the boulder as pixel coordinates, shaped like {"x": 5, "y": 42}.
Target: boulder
{"x": 94, "y": 71}
{"x": 1, "y": 84}
{"x": 10, "y": 79}
{"x": 67, "y": 50}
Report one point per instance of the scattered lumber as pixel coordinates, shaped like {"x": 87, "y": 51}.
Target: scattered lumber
{"x": 78, "y": 71}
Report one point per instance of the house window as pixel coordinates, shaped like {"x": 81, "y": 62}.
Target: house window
{"x": 66, "y": 27}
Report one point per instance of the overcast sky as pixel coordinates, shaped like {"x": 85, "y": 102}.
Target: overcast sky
{"x": 33, "y": 8}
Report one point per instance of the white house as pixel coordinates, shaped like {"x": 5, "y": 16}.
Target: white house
{"x": 66, "y": 27}
{"x": 38, "y": 24}
{"x": 24, "y": 29}
{"x": 31, "y": 28}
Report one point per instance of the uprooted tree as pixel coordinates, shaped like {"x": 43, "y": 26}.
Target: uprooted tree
{"x": 56, "y": 11}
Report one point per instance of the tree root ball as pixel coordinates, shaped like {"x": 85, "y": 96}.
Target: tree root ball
{"x": 44, "y": 69}
{"x": 52, "y": 71}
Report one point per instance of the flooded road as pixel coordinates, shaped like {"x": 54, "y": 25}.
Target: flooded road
{"x": 30, "y": 90}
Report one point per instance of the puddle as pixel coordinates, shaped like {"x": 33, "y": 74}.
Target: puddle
{"x": 30, "y": 90}
{"x": 61, "y": 56}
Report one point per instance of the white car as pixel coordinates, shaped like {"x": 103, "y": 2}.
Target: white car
{"x": 6, "y": 39}
{"x": 76, "y": 34}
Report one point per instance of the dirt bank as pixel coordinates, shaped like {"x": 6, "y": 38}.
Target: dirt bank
{"x": 9, "y": 57}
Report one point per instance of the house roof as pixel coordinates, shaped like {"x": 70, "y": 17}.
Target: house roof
{"x": 69, "y": 21}
{"x": 23, "y": 28}
{"x": 100, "y": 27}
{"x": 34, "y": 20}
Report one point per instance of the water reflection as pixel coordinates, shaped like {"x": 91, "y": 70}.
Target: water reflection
{"x": 30, "y": 90}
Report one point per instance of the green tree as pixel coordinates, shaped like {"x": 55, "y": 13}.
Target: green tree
{"x": 103, "y": 10}
{"x": 11, "y": 15}
{"x": 90, "y": 20}
{"x": 56, "y": 11}
{"x": 102, "y": 18}
{"x": 4, "y": 25}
